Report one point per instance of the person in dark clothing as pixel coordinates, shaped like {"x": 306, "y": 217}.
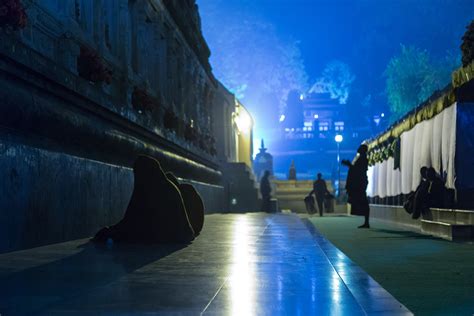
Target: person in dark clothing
{"x": 266, "y": 190}
{"x": 192, "y": 202}
{"x": 436, "y": 190}
{"x": 156, "y": 211}
{"x": 356, "y": 185}
{"x": 292, "y": 171}
{"x": 419, "y": 199}
{"x": 320, "y": 191}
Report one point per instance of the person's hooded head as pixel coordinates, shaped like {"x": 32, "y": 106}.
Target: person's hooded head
{"x": 431, "y": 174}
{"x": 319, "y": 176}
{"x": 362, "y": 150}
{"x": 147, "y": 170}
{"x": 424, "y": 172}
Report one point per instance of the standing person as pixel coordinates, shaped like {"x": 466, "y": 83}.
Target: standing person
{"x": 356, "y": 184}
{"x": 320, "y": 190}
{"x": 265, "y": 190}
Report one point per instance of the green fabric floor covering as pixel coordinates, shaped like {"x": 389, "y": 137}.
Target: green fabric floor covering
{"x": 430, "y": 276}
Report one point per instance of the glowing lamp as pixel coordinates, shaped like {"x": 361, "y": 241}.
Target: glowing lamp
{"x": 243, "y": 122}
{"x": 338, "y": 138}
{"x": 282, "y": 118}
{"x": 316, "y": 116}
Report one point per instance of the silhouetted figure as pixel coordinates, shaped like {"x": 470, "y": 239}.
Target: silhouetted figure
{"x": 266, "y": 190}
{"x": 320, "y": 192}
{"x": 292, "y": 171}
{"x": 436, "y": 190}
{"x": 192, "y": 202}
{"x": 156, "y": 211}
{"x": 417, "y": 202}
{"x": 356, "y": 185}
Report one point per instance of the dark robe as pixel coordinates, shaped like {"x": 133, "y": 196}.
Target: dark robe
{"x": 420, "y": 199}
{"x": 320, "y": 191}
{"x": 436, "y": 193}
{"x": 265, "y": 190}
{"x": 156, "y": 211}
{"x": 356, "y": 186}
{"x": 192, "y": 202}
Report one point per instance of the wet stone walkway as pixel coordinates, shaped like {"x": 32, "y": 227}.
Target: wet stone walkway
{"x": 242, "y": 264}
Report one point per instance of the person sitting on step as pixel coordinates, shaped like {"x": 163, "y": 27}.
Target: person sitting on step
{"x": 156, "y": 211}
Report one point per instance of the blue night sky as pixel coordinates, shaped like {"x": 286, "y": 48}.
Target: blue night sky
{"x": 262, "y": 48}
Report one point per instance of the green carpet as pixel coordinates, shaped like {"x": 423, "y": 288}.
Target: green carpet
{"x": 430, "y": 276}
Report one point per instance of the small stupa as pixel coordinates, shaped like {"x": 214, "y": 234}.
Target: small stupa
{"x": 263, "y": 161}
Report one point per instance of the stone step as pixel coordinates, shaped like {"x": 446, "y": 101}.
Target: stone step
{"x": 447, "y": 231}
{"x": 451, "y": 216}
{"x": 291, "y": 197}
{"x": 303, "y": 194}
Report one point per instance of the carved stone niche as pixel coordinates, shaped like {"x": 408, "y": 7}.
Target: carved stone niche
{"x": 44, "y": 31}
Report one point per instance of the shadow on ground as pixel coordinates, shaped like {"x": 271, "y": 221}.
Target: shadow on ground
{"x": 32, "y": 290}
{"x": 403, "y": 234}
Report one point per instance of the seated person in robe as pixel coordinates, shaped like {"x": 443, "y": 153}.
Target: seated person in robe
{"x": 420, "y": 203}
{"x": 436, "y": 191}
{"x": 192, "y": 202}
{"x": 156, "y": 211}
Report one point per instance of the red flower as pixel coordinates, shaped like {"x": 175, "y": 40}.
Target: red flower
{"x": 142, "y": 100}
{"x": 92, "y": 67}
{"x": 13, "y": 14}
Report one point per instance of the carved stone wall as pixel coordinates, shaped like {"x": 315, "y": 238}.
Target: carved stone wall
{"x": 87, "y": 86}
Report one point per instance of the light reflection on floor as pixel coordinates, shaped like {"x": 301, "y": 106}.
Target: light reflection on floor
{"x": 241, "y": 264}
{"x": 242, "y": 275}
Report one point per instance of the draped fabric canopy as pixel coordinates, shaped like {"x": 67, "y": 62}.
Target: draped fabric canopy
{"x": 430, "y": 143}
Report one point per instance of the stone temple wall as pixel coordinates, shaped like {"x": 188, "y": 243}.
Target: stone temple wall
{"x": 85, "y": 87}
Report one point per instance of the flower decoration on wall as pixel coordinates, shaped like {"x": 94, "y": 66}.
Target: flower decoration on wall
{"x": 141, "y": 100}
{"x": 13, "y": 14}
{"x": 171, "y": 120}
{"x": 92, "y": 67}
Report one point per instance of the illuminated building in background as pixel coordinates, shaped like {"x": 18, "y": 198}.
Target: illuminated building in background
{"x": 308, "y": 131}
{"x": 233, "y": 127}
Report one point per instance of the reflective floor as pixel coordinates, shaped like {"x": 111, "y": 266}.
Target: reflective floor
{"x": 243, "y": 264}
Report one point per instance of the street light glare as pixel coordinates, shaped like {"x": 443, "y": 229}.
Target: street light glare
{"x": 338, "y": 138}
{"x": 243, "y": 121}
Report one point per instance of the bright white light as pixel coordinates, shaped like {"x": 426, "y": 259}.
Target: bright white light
{"x": 382, "y": 115}
{"x": 316, "y": 116}
{"x": 301, "y": 97}
{"x": 282, "y": 117}
{"x": 338, "y": 138}
{"x": 242, "y": 280}
{"x": 244, "y": 122}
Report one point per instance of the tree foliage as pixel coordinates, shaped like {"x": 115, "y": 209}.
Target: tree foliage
{"x": 253, "y": 61}
{"x": 335, "y": 79}
{"x": 467, "y": 46}
{"x": 413, "y": 76}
